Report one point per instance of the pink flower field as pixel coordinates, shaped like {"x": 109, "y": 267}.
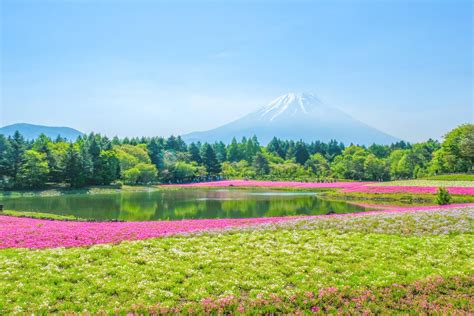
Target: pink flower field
{"x": 406, "y": 189}
{"x": 359, "y": 187}
{"x": 16, "y": 232}
{"x": 273, "y": 184}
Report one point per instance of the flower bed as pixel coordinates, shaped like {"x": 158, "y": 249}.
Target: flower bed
{"x": 359, "y": 187}
{"x": 271, "y": 184}
{"x": 18, "y": 232}
{"x": 389, "y": 263}
{"x": 407, "y": 189}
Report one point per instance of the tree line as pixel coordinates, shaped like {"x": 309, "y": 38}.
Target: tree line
{"x": 97, "y": 160}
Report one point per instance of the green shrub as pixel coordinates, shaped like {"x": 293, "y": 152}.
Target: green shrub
{"x": 442, "y": 196}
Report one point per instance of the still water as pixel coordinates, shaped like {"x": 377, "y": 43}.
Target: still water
{"x": 181, "y": 204}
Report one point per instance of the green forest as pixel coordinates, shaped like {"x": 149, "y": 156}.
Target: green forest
{"x": 97, "y": 160}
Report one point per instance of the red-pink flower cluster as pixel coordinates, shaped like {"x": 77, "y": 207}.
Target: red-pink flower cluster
{"x": 362, "y": 187}
{"x": 273, "y": 184}
{"x": 407, "y": 189}
{"x": 21, "y": 232}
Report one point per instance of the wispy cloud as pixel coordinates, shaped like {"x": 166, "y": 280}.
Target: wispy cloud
{"x": 224, "y": 54}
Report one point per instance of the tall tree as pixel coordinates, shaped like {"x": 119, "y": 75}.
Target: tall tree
{"x": 33, "y": 172}
{"x": 209, "y": 160}
{"x": 18, "y": 146}
{"x": 274, "y": 146}
{"x": 155, "y": 151}
{"x": 109, "y": 167}
{"x": 301, "y": 153}
{"x": 194, "y": 153}
{"x": 73, "y": 168}
{"x": 261, "y": 165}
{"x": 233, "y": 151}
{"x": 221, "y": 152}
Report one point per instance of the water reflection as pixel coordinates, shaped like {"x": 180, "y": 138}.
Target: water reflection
{"x": 182, "y": 204}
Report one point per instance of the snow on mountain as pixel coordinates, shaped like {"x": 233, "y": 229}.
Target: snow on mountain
{"x": 296, "y": 116}
{"x": 289, "y": 104}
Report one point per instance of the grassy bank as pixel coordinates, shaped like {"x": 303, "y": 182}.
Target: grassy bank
{"x": 41, "y": 215}
{"x": 394, "y": 198}
{"x": 428, "y": 183}
{"x": 333, "y": 265}
{"x": 452, "y": 177}
{"x": 56, "y": 191}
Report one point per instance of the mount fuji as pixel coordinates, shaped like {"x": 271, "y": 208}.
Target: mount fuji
{"x": 296, "y": 116}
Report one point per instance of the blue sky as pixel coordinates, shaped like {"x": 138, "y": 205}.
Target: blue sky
{"x": 132, "y": 68}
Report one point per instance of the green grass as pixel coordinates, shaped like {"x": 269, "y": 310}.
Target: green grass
{"x": 41, "y": 215}
{"x": 402, "y": 199}
{"x": 55, "y": 191}
{"x": 427, "y": 183}
{"x": 277, "y": 262}
{"x": 452, "y": 177}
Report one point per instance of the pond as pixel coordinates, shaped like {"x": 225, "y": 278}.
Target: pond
{"x": 182, "y": 204}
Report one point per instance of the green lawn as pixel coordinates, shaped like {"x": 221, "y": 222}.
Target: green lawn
{"x": 41, "y": 215}
{"x": 452, "y": 177}
{"x": 283, "y": 267}
{"x": 428, "y": 183}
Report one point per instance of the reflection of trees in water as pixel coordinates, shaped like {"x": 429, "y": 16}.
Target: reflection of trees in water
{"x": 135, "y": 207}
{"x": 183, "y": 204}
{"x": 100, "y": 206}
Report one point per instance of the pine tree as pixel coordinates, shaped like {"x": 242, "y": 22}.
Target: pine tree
{"x": 194, "y": 153}
{"x": 18, "y": 146}
{"x": 301, "y": 153}
{"x": 73, "y": 168}
{"x": 274, "y": 146}
{"x": 6, "y": 166}
{"x": 155, "y": 151}
{"x": 209, "y": 160}
{"x": 221, "y": 152}
{"x": 233, "y": 151}
{"x": 260, "y": 163}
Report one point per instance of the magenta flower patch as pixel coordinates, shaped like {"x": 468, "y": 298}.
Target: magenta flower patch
{"x": 16, "y": 232}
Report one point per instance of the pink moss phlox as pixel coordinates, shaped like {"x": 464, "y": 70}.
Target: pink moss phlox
{"x": 272, "y": 184}
{"x": 359, "y": 187}
{"x": 21, "y": 232}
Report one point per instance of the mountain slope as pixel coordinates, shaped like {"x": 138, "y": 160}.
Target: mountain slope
{"x": 296, "y": 116}
{"x": 31, "y": 131}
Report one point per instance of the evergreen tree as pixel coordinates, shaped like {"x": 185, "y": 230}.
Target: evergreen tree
{"x": 155, "y": 151}
{"x": 180, "y": 145}
{"x": 221, "y": 152}
{"x": 18, "y": 146}
{"x": 233, "y": 151}
{"x": 194, "y": 154}
{"x": 93, "y": 148}
{"x": 251, "y": 147}
{"x": 261, "y": 165}
{"x": 301, "y": 153}
{"x": 209, "y": 160}
{"x": 73, "y": 168}
{"x": 290, "y": 150}
{"x": 172, "y": 143}
{"x": 6, "y": 166}
{"x": 274, "y": 146}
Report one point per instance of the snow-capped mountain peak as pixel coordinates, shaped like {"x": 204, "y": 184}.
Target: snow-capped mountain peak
{"x": 295, "y": 116}
{"x": 289, "y": 104}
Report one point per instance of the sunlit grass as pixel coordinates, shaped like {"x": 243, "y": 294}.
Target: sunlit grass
{"x": 284, "y": 261}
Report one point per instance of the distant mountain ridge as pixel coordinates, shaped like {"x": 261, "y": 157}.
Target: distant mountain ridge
{"x": 31, "y": 131}
{"x": 296, "y": 116}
